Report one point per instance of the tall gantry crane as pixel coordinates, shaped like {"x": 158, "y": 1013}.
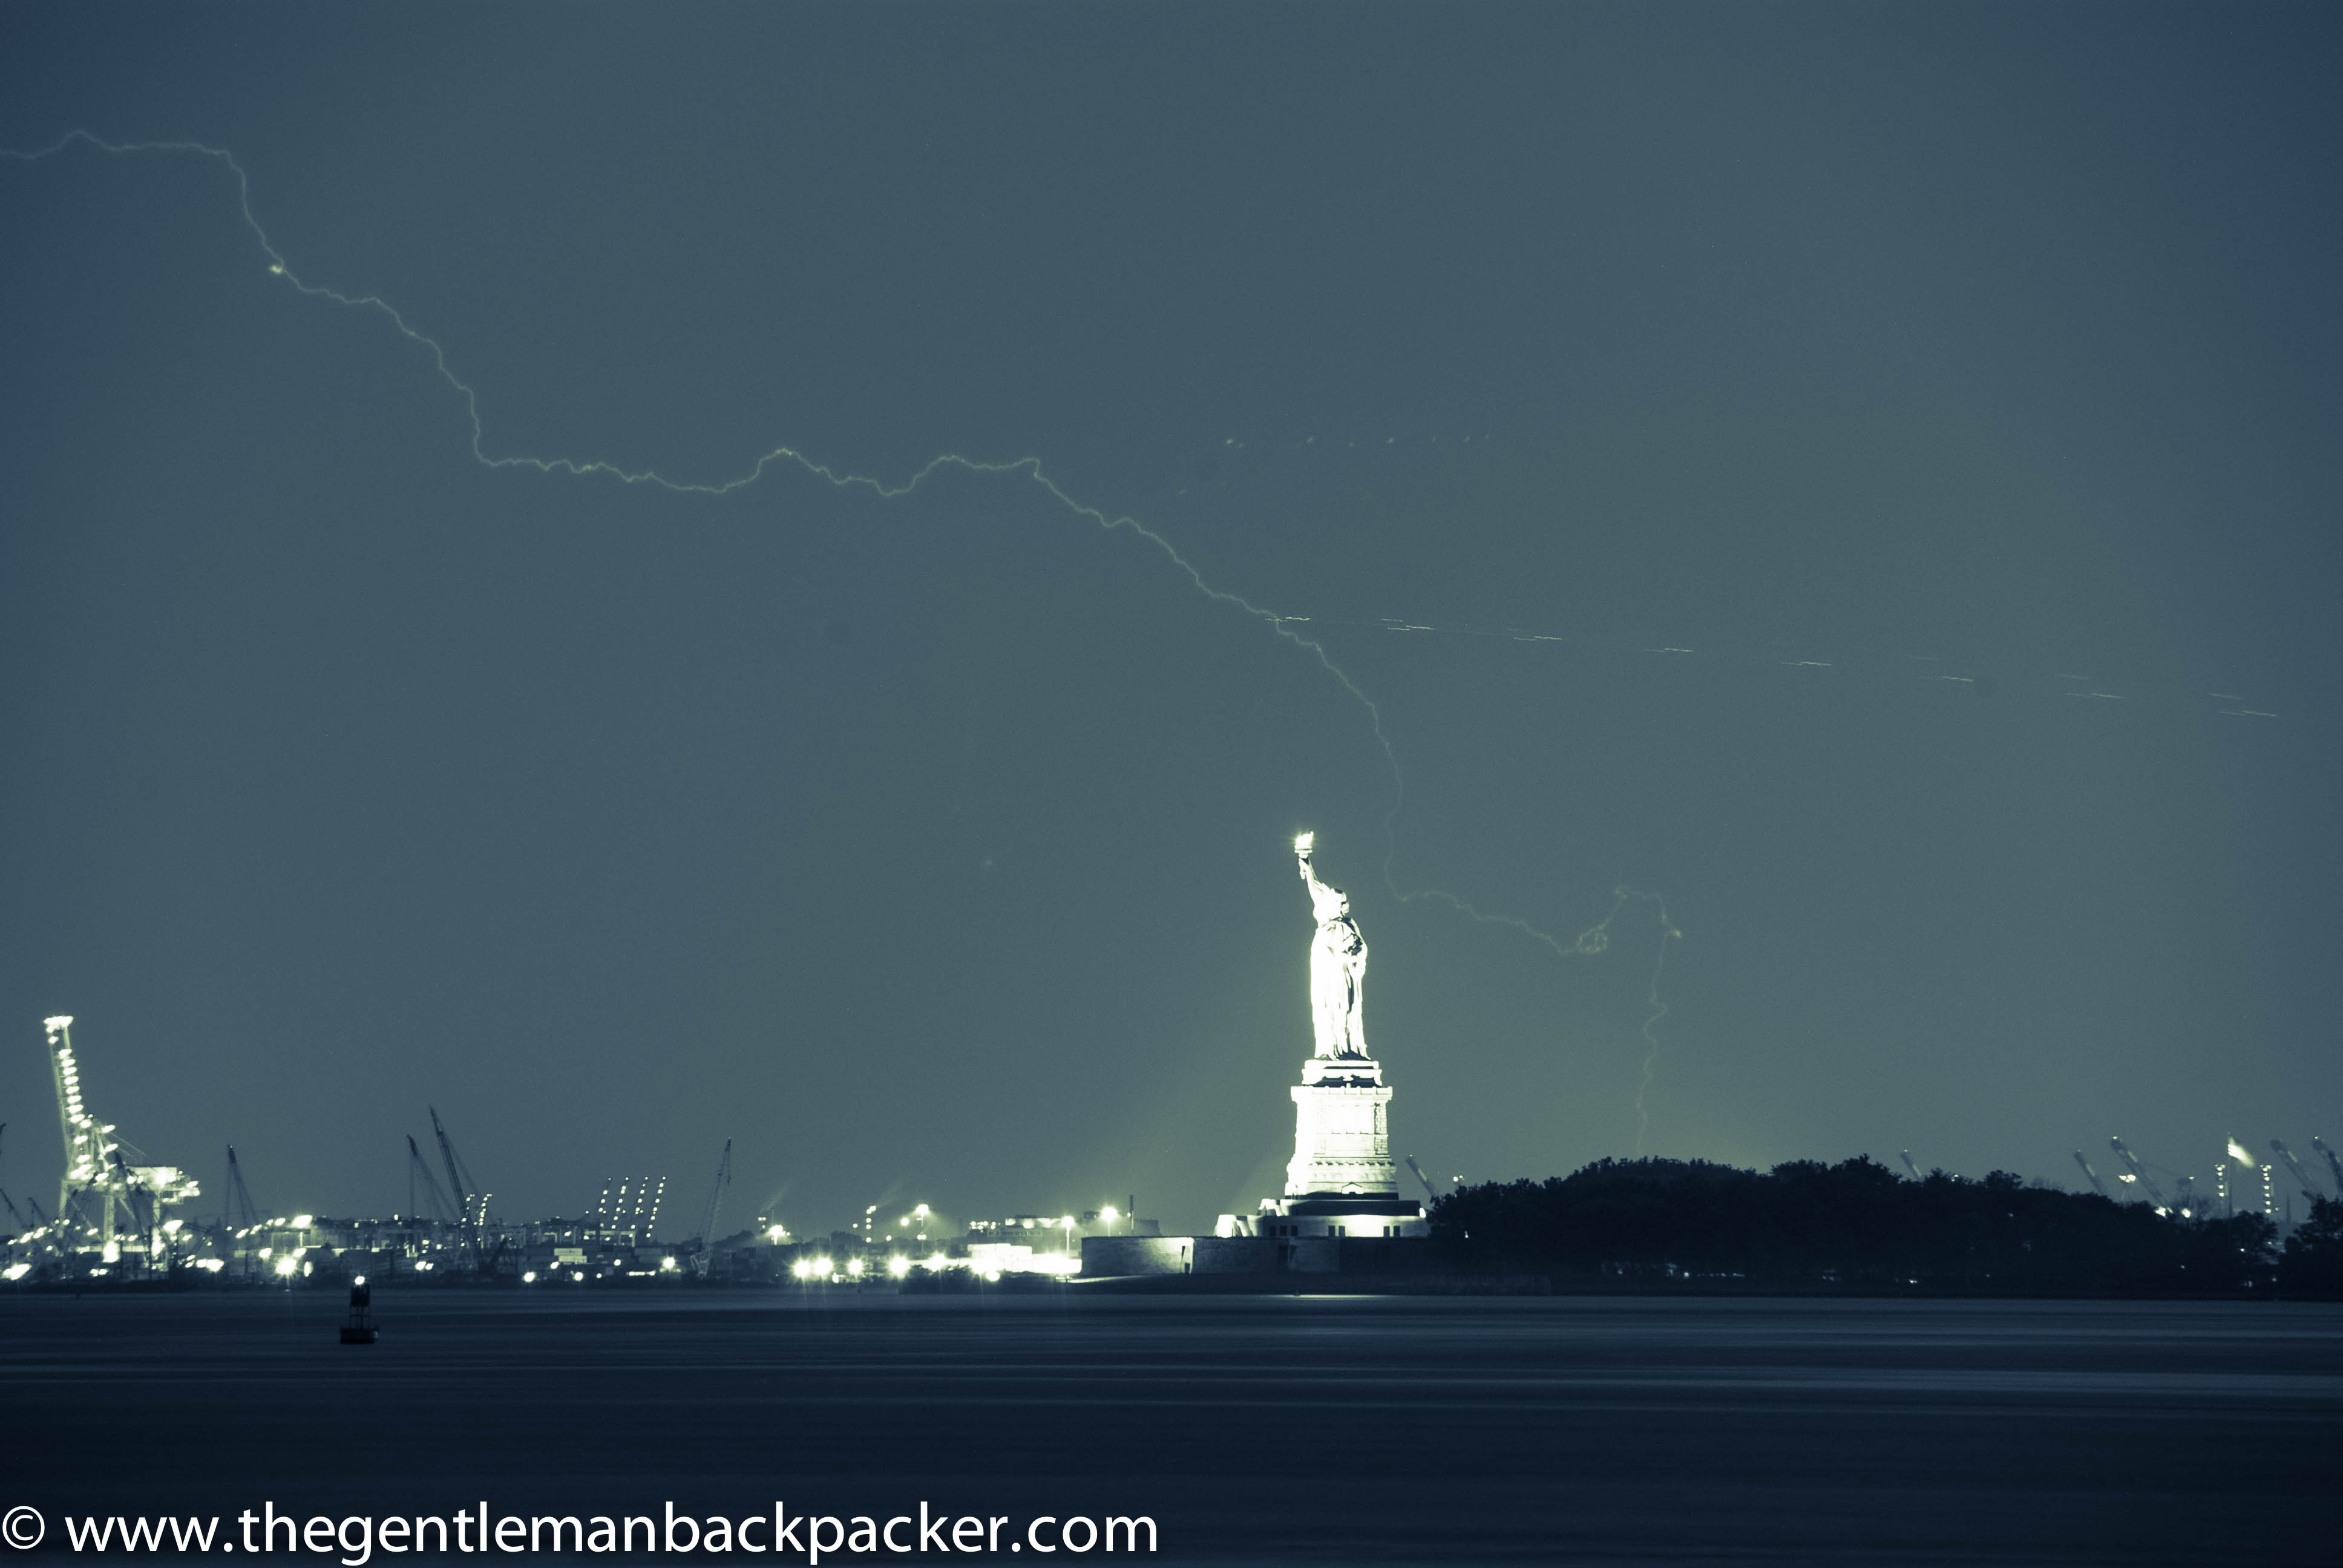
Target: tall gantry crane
{"x": 239, "y": 1215}
{"x": 2301, "y": 1175}
{"x": 471, "y": 1203}
{"x": 100, "y": 1194}
{"x": 1429, "y": 1190}
{"x": 2333, "y": 1164}
{"x": 706, "y": 1237}
{"x": 2095, "y": 1183}
{"x": 418, "y": 1170}
{"x": 630, "y": 1206}
{"x": 2137, "y": 1172}
{"x": 238, "y": 1212}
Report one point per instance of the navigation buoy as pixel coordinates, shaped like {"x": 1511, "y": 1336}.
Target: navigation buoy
{"x": 358, "y": 1328}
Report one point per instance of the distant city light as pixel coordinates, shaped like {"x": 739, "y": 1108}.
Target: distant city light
{"x": 287, "y": 1265}
{"x": 529, "y": 1278}
{"x": 303, "y": 1221}
{"x": 854, "y": 1266}
{"x": 899, "y": 1265}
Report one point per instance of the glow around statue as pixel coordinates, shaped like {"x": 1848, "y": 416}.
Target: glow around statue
{"x": 1338, "y": 965}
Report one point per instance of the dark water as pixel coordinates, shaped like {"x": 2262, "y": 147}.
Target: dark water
{"x": 1250, "y": 1429}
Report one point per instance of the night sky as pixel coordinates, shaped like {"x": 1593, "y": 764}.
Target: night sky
{"x": 1950, "y": 391}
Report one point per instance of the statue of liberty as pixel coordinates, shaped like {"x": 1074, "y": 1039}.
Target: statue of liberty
{"x": 1338, "y": 965}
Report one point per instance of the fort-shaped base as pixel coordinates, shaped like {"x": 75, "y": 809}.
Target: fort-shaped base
{"x": 1342, "y": 1140}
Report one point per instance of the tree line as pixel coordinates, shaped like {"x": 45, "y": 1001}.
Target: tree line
{"x": 1859, "y": 1226}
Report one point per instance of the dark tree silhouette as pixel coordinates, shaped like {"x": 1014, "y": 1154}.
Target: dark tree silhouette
{"x": 1806, "y": 1225}
{"x": 2313, "y": 1261}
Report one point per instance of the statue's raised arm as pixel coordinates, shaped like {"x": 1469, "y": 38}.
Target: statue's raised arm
{"x": 1303, "y": 846}
{"x": 1338, "y": 964}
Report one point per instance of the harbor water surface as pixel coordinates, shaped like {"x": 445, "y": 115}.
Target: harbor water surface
{"x": 1250, "y": 1429}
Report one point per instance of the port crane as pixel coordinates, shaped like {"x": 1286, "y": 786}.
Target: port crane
{"x": 706, "y": 1239}
{"x": 2333, "y": 1164}
{"x": 239, "y": 1200}
{"x": 1429, "y": 1190}
{"x": 2137, "y": 1173}
{"x": 2094, "y": 1175}
{"x": 2301, "y": 1174}
{"x": 100, "y": 1190}
{"x": 415, "y": 1167}
{"x": 471, "y": 1203}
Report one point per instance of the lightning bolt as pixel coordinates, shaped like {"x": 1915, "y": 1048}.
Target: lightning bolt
{"x": 1594, "y": 940}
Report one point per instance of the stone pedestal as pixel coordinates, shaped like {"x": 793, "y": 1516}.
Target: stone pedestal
{"x": 1341, "y": 1135}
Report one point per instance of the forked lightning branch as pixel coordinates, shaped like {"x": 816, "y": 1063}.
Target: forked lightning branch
{"x": 1028, "y": 468}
